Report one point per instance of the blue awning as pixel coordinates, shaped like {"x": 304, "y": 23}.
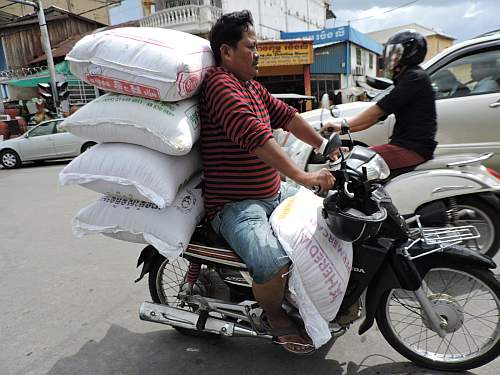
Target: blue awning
{"x": 336, "y": 35}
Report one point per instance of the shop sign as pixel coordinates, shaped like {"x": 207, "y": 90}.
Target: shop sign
{"x": 285, "y": 53}
{"x": 336, "y": 34}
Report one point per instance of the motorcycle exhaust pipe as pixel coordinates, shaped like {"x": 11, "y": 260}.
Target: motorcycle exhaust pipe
{"x": 156, "y": 313}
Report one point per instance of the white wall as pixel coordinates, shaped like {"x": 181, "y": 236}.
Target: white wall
{"x": 273, "y": 16}
{"x": 349, "y": 80}
{"x": 364, "y": 61}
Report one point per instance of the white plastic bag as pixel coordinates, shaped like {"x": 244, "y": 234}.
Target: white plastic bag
{"x": 171, "y": 128}
{"x": 168, "y": 229}
{"x": 132, "y": 172}
{"x": 321, "y": 262}
{"x": 154, "y": 63}
{"x": 297, "y": 150}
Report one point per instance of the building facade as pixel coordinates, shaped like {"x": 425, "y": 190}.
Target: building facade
{"x": 96, "y": 10}
{"x": 342, "y": 55}
{"x": 270, "y": 16}
{"x": 22, "y": 58}
{"x": 284, "y": 68}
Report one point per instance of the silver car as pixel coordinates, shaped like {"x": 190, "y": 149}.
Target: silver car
{"x": 466, "y": 78}
{"x": 43, "y": 142}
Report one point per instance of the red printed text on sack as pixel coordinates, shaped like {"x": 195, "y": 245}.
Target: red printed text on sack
{"x": 123, "y": 87}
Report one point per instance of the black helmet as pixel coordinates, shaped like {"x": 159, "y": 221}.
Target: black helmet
{"x": 350, "y": 222}
{"x": 405, "y": 48}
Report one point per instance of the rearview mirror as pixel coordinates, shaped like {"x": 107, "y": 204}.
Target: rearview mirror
{"x": 334, "y": 143}
{"x": 325, "y": 104}
{"x": 325, "y": 101}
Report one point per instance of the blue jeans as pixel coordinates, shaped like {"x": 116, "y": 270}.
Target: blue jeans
{"x": 245, "y": 226}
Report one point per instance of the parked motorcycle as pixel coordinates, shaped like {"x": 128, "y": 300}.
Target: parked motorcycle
{"x": 435, "y": 302}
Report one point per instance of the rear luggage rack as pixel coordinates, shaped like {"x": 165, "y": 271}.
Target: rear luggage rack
{"x": 449, "y": 235}
{"x": 442, "y": 237}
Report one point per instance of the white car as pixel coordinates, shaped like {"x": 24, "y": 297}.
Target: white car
{"x": 468, "y": 111}
{"x": 44, "y": 141}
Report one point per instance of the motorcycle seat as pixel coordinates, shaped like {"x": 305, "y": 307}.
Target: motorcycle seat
{"x": 439, "y": 162}
{"x": 207, "y": 245}
{"x": 442, "y": 161}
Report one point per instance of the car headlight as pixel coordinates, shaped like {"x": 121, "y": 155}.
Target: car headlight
{"x": 376, "y": 168}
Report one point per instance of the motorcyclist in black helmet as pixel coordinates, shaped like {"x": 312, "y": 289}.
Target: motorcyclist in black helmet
{"x": 411, "y": 100}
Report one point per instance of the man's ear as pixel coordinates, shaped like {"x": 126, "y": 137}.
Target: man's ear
{"x": 225, "y": 52}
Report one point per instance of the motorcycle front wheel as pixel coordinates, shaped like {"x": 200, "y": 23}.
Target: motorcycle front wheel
{"x": 467, "y": 299}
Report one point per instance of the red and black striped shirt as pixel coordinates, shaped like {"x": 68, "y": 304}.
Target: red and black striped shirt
{"x": 236, "y": 118}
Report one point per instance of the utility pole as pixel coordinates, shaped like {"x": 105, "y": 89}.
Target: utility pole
{"x": 44, "y": 37}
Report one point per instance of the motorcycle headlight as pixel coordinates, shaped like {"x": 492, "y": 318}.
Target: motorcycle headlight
{"x": 376, "y": 168}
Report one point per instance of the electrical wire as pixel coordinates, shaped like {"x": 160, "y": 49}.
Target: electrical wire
{"x": 387, "y": 11}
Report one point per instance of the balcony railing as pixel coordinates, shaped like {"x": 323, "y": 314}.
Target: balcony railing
{"x": 164, "y": 4}
{"x": 195, "y": 19}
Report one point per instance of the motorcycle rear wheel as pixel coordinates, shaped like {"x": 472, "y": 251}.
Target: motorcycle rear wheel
{"x": 473, "y": 211}
{"x": 468, "y": 299}
{"x": 166, "y": 279}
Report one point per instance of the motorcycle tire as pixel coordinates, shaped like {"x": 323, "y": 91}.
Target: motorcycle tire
{"x": 179, "y": 268}
{"x": 449, "y": 307}
{"x": 492, "y": 215}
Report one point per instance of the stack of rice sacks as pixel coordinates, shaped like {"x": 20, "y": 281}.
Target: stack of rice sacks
{"x": 145, "y": 164}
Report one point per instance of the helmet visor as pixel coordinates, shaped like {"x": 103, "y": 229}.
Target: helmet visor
{"x": 392, "y": 57}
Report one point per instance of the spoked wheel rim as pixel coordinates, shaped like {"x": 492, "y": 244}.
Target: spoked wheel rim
{"x": 170, "y": 282}
{"x": 471, "y": 215}
{"x": 9, "y": 159}
{"x": 469, "y": 306}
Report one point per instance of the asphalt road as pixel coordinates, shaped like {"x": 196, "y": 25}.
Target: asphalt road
{"x": 70, "y": 306}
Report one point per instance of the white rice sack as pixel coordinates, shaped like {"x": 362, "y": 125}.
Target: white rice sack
{"x": 321, "y": 262}
{"x": 154, "y": 63}
{"x": 168, "y": 229}
{"x": 132, "y": 172}
{"x": 171, "y": 128}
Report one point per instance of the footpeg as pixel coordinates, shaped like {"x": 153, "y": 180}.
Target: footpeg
{"x": 202, "y": 320}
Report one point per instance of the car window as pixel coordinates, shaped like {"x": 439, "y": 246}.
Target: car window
{"x": 44, "y": 129}
{"x": 468, "y": 75}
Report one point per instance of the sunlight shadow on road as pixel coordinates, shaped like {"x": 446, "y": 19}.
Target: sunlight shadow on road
{"x": 392, "y": 368}
{"x": 168, "y": 352}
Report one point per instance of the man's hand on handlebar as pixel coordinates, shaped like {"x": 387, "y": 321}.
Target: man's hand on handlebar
{"x": 329, "y": 127}
{"x": 321, "y": 179}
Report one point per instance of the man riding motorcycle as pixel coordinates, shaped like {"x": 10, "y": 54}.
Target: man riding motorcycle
{"x": 242, "y": 164}
{"x": 411, "y": 100}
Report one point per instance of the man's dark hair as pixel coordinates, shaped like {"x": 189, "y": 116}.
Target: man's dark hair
{"x": 229, "y": 30}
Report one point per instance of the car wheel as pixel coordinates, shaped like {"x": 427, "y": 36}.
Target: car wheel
{"x": 10, "y": 159}
{"x": 87, "y": 145}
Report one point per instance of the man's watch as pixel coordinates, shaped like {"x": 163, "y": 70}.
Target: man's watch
{"x": 344, "y": 127}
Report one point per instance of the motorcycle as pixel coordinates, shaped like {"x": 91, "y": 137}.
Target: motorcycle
{"x": 449, "y": 190}
{"x": 435, "y": 302}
